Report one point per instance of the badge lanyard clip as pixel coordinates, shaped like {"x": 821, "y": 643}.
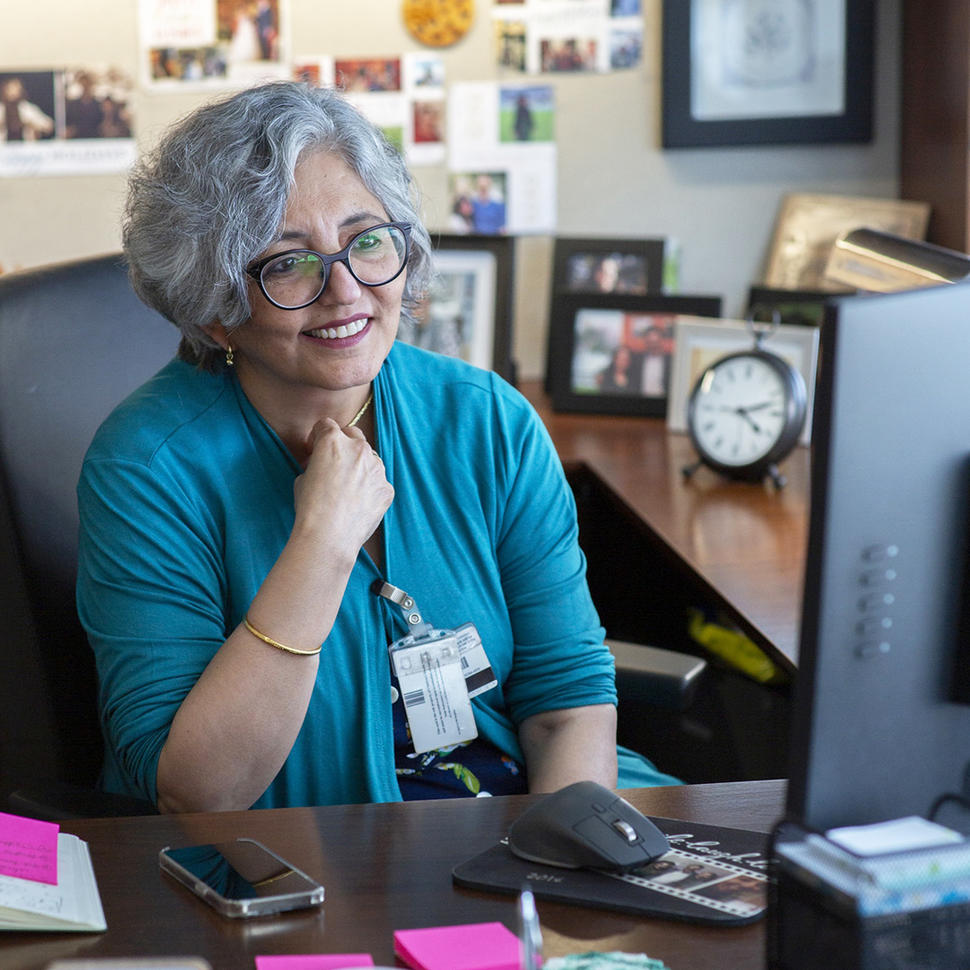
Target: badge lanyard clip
{"x": 418, "y": 626}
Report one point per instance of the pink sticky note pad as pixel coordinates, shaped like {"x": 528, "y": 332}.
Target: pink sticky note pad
{"x": 314, "y": 961}
{"x": 28, "y": 848}
{"x": 474, "y": 946}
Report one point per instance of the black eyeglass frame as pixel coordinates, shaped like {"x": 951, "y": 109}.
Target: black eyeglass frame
{"x": 327, "y": 260}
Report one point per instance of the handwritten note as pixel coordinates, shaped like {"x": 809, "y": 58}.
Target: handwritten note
{"x": 28, "y": 848}
{"x": 314, "y": 961}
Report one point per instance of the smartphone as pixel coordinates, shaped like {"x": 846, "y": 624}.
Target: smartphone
{"x": 241, "y": 878}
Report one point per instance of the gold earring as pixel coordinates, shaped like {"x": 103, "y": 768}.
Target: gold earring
{"x": 229, "y": 358}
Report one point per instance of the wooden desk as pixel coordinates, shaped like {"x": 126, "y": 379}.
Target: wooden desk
{"x": 745, "y": 543}
{"x": 385, "y": 867}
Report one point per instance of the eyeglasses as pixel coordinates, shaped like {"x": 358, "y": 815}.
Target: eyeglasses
{"x": 296, "y": 278}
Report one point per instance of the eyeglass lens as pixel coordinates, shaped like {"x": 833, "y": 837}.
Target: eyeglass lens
{"x": 297, "y": 278}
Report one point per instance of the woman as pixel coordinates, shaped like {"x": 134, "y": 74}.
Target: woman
{"x": 237, "y": 511}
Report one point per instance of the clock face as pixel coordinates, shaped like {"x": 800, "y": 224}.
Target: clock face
{"x": 740, "y": 410}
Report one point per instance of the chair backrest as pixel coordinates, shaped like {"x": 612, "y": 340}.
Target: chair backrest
{"x": 74, "y": 341}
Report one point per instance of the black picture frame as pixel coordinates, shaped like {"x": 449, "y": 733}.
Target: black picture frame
{"x": 804, "y": 308}
{"x": 638, "y": 265}
{"x": 495, "y": 255}
{"x": 591, "y": 331}
{"x": 683, "y": 129}
{"x": 641, "y": 268}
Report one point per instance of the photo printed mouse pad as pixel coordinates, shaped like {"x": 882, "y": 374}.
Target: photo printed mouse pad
{"x": 711, "y": 874}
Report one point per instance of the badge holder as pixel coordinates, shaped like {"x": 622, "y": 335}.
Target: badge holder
{"x": 431, "y": 666}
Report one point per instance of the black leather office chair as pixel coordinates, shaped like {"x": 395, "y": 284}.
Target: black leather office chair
{"x": 74, "y": 341}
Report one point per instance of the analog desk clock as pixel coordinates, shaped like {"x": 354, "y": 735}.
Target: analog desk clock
{"x": 745, "y": 414}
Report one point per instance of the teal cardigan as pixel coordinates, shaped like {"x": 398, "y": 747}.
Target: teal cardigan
{"x": 186, "y": 500}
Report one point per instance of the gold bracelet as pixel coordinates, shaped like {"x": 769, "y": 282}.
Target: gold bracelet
{"x": 277, "y": 644}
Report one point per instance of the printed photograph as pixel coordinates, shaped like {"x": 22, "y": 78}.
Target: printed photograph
{"x": 527, "y": 114}
{"x": 606, "y": 273}
{"x": 617, "y": 352}
{"x": 478, "y": 203}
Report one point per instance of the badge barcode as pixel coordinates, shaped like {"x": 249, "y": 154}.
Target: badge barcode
{"x": 464, "y": 663}
{"x": 414, "y": 698}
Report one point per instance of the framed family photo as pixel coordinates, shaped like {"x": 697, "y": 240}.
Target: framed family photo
{"x": 620, "y": 266}
{"x": 468, "y": 312}
{"x": 617, "y": 267}
{"x": 737, "y": 72}
{"x": 699, "y": 342}
{"x": 613, "y": 354}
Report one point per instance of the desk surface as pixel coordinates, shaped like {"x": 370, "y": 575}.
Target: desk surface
{"x": 745, "y": 542}
{"x": 385, "y": 867}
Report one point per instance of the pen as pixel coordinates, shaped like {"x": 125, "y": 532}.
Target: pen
{"x": 530, "y": 935}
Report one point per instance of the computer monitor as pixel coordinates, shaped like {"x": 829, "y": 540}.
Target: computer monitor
{"x": 881, "y": 719}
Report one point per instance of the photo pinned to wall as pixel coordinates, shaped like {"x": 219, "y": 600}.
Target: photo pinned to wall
{"x": 767, "y": 73}
{"x": 317, "y": 70}
{"x": 65, "y": 121}
{"x": 612, "y": 354}
{"x": 568, "y": 36}
{"x": 468, "y": 312}
{"x": 424, "y": 86}
{"x": 423, "y": 72}
{"x": 368, "y": 75}
{"x": 527, "y": 114}
{"x": 809, "y": 224}
{"x": 700, "y": 342}
{"x": 212, "y": 43}
{"x": 518, "y": 191}
{"x": 375, "y": 86}
{"x": 478, "y": 203}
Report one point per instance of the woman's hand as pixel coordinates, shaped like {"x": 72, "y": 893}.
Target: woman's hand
{"x": 343, "y": 493}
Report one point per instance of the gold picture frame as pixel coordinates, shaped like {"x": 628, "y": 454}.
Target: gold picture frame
{"x": 808, "y": 226}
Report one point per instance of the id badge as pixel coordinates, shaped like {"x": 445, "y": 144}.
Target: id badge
{"x": 479, "y": 676}
{"x": 432, "y": 685}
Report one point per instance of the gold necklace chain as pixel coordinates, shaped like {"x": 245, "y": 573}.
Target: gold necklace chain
{"x": 360, "y": 413}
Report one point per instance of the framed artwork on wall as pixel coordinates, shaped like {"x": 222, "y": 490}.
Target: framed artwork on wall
{"x": 768, "y": 72}
{"x": 468, "y": 311}
{"x": 612, "y": 354}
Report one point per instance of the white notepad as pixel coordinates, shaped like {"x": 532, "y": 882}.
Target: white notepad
{"x": 73, "y": 905}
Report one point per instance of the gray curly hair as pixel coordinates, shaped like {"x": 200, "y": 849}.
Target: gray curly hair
{"x": 212, "y": 195}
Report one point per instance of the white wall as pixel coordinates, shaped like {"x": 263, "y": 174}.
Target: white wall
{"x": 613, "y": 177}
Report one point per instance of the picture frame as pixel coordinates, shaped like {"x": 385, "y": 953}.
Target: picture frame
{"x": 808, "y": 225}
{"x": 699, "y": 342}
{"x": 799, "y": 308}
{"x": 468, "y": 313}
{"x": 615, "y": 266}
{"x": 810, "y": 82}
{"x": 634, "y": 266}
{"x": 612, "y": 354}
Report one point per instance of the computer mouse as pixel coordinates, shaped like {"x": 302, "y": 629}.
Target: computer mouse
{"x": 586, "y": 826}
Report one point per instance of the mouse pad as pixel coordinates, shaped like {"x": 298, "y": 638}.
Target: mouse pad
{"x": 711, "y": 875}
